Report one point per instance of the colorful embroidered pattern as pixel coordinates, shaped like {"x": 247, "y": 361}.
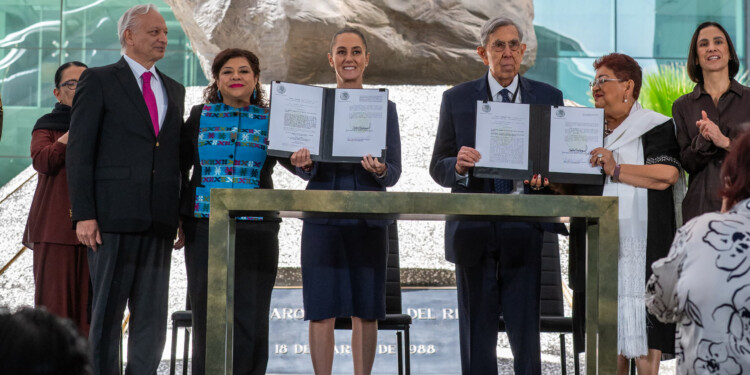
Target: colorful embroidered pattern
{"x": 232, "y": 150}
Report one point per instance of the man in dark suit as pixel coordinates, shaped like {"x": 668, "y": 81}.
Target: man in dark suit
{"x": 498, "y": 265}
{"x": 124, "y": 179}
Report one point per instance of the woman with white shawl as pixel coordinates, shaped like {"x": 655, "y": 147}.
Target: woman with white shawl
{"x": 640, "y": 158}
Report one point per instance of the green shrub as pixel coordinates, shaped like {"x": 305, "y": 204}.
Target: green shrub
{"x": 661, "y": 88}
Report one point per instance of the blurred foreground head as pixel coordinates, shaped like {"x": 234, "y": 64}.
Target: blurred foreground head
{"x": 35, "y": 342}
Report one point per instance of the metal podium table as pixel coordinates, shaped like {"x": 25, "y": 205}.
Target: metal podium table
{"x": 600, "y": 214}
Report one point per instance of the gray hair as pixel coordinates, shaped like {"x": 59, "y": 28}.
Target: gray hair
{"x": 129, "y": 20}
{"x": 493, "y": 24}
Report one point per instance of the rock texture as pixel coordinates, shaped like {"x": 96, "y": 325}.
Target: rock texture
{"x": 411, "y": 41}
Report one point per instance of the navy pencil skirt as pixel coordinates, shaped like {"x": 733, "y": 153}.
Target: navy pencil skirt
{"x": 343, "y": 271}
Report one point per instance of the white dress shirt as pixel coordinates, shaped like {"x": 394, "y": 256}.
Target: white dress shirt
{"x": 496, "y": 87}
{"x": 157, "y": 86}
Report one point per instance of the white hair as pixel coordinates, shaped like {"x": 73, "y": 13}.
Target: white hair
{"x": 493, "y": 24}
{"x": 129, "y": 20}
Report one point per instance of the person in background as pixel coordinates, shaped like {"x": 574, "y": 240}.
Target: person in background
{"x": 640, "y": 158}
{"x": 498, "y": 265}
{"x": 61, "y": 270}
{"x": 230, "y": 130}
{"x": 703, "y": 285}
{"x": 710, "y": 117}
{"x": 123, "y": 164}
{"x": 344, "y": 261}
{"x": 35, "y": 342}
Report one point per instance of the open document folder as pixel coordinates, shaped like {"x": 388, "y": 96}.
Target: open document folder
{"x": 336, "y": 125}
{"x": 519, "y": 140}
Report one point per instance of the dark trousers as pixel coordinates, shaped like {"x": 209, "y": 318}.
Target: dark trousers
{"x": 506, "y": 281}
{"x": 256, "y": 259}
{"x": 61, "y": 280}
{"x": 133, "y": 270}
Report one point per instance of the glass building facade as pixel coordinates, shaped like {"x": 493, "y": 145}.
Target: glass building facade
{"x": 572, "y": 33}
{"x": 36, "y": 36}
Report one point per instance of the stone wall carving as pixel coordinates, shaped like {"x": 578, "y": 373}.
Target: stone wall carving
{"x": 412, "y": 41}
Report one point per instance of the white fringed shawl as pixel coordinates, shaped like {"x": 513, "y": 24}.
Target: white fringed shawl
{"x": 627, "y": 148}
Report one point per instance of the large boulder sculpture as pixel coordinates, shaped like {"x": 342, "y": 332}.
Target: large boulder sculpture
{"x": 411, "y": 41}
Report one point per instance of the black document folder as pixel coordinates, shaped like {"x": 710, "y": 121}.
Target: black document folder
{"x": 574, "y": 147}
{"x": 325, "y": 142}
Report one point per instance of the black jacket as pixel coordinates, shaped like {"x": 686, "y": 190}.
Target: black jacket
{"x": 464, "y": 240}
{"x": 119, "y": 172}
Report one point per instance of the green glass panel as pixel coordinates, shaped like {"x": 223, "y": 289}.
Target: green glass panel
{"x": 11, "y": 167}
{"x": 16, "y": 140}
{"x": 94, "y": 25}
{"x": 30, "y": 24}
{"x": 663, "y": 28}
{"x": 90, "y": 31}
{"x": 182, "y": 65}
{"x": 569, "y": 74}
{"x": 585, "y": 29}
{"x": 92, "y": 57}
{"x": 27, "y": 77}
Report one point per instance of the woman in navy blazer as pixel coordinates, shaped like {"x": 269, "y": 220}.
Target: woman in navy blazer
{"x": 344, "y": 261}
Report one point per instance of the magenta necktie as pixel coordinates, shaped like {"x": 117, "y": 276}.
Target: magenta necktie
{"x": 148, "y": 96}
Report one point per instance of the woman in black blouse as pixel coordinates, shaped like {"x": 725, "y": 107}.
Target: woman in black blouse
{"x": 710, "y": 117}
{"x": 640, "y": 160}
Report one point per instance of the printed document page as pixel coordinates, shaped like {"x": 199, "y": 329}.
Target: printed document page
{"x": 360, "y": 122}
{"x": 503, "y": 135}
{"x": 295, "y": 117}
{"x": 574, "y": 132}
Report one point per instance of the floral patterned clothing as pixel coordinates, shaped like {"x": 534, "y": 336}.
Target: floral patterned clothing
{"x": 704, "y": 286}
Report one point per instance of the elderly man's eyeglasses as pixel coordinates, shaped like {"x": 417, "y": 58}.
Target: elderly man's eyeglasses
{"x": 599, "y": 82}
{"x": 500, "y": 45}
{"x": 70, "y": 85}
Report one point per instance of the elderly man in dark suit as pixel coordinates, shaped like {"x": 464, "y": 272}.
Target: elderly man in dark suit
{"x": 124, "y": 179}
{"x": 497, "y": 264}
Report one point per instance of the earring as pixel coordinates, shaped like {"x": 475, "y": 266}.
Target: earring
{"x": 625, "y": 100}
{"x": 255, "y": 95}
{"x": 218, "y": 93}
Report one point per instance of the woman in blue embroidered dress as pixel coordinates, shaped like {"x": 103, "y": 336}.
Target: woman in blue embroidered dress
{"x": 228, "y": 150}
{"x": 344, "y": 261}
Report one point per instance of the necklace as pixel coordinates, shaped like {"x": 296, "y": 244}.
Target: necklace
{"x": 607, "y": 130}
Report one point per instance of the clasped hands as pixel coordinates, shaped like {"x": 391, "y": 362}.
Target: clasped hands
{"x": 301, "y": 159}
{"x": 711, "y": 132}
{"x": 468, "y": 156}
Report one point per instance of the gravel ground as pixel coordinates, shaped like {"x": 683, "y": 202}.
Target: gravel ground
{"x": 421, "y": 242}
